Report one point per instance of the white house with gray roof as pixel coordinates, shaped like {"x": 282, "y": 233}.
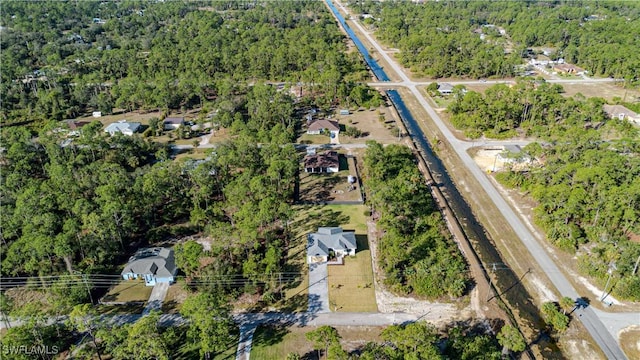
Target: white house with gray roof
{"x": 122, "y": 126}
{"x": 330, "y": 241}
{"x": 445, "y": 89}
{"x": 154, "y": 265}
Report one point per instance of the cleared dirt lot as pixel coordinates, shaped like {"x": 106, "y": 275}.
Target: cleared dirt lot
{"x": 604, "y": 90}
{"x": 608, "y": 91}
{"x": 379, "y": 124}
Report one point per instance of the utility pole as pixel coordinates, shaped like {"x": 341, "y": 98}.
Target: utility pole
{"x": 612, "y": 266}
{"x": 635, "y": 268}
{"x": 86, "y": 284}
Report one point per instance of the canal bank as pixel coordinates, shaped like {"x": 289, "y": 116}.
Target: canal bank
{"x": 508, "y": 285}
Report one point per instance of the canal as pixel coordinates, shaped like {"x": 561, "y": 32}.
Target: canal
{"x": 508, "y": 283}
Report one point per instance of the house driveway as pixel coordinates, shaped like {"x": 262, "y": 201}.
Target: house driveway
{"x": 156, "y": 298}
{"x": 318, "y": 289}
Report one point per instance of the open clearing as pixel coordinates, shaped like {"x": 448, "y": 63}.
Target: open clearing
{"x": 128, "y": 291}
{"x": 136, "y": 116}
{"x": 276, "y": 343}
{"x": 376, "y": 124}
{"x": 604, "y": 90}
{"x": 608, "y": 91}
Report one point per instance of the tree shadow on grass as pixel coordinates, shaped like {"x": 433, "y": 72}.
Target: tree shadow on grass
{"x": 323, "y": 218}
{"x": 296, "y": 303}
{"x": 269, "y": 335}
{"x": 169, "y": 306}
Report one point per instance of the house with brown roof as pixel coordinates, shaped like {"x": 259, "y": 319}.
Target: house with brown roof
{"x": 620, "y": 112}
{"x": 568, "y": 69}
{"x": 321, "y": 125}
{"x": 327, "y": 162}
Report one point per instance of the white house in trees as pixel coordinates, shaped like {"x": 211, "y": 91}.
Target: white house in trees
{"x": 330, "y": 241}
{"x": 154, "y": 265}
{"x": 122, "y": 126}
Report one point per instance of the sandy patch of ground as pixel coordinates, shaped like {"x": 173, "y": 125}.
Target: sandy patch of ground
{"x": 630, "y": 341}
{"x": 581, "y": 347}
{"x": 545, "y": 294}
{"x": 603, "y": 90}
{"x": 596, "y": 291}
{"x": 379, "y": 124}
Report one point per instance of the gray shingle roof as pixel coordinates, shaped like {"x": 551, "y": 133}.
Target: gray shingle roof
{"x": 157, "y": 261}
{"x": 327, "y": 238}
{"x": 123, "y": 127}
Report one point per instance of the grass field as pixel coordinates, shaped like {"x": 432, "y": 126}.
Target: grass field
{"x": 351, "y": 286}
{"x": 276, "y": 343}
{"x": 310, "y": 217}
{"x": 128, "y": 290}
{"x": 313, "y": 139}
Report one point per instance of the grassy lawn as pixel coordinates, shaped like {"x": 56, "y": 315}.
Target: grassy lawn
{"x": 310, "y": 217}
{"x": 128, "y": 290}
{"x": 134, "y": 116}
{"x": 351, "y": 286}
{"x": 276, "y": 343}
{"x": 313, "y": 139}
{"x": 443, "y": 102}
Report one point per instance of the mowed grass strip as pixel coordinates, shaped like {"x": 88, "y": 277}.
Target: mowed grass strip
{"x": 129, "y": 290}
{"x": 271, "y": 343}
{"x": 351, "y": 286}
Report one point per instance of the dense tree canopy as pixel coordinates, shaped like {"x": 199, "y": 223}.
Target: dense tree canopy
{"x": 415, "y": 254}
{"x": 530, "y": 108}
{"x": 589, "y": 202}
{"x": 73, "y": 208}
{"x": 171, "y": 55}
{"x": 464, "y": 38}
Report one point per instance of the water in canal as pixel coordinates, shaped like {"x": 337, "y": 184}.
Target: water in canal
{"x": 508, "y": 283}
{"x": 373, "y": 64}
